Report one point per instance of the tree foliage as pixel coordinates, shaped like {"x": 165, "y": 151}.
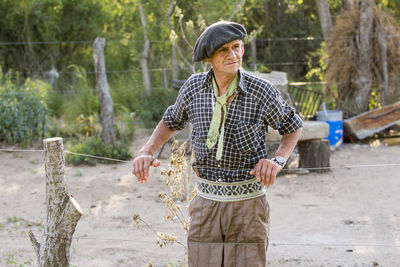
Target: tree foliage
{"x": 39, "y": 35}
{"x": 23, "y": 110}
{"x": 48, "y": 33}
{"x": 78, "y": 23}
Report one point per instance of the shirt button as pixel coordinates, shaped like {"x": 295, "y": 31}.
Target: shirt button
{"x": 219, "y": 165}
{"x": 220, "y": 180}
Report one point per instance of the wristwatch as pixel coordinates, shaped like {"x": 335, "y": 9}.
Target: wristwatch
{"x": 280, "y": 160}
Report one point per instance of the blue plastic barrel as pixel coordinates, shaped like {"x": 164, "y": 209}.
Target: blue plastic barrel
{"x": 335, "y": 120}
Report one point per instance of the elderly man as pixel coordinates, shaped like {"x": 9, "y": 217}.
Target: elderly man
{"x": 230, "y": 111}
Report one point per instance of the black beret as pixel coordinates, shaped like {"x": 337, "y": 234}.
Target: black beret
{"x": 215, "y": 36}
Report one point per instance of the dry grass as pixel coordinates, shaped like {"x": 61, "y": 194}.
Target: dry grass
{"x": 344, "y": 58}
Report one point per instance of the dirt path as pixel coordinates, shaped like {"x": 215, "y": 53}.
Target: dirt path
{"x": 347, "y": 217}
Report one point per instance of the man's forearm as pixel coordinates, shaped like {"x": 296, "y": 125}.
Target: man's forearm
{"x": 288, "y": 143}
{"x": 160, "y": 136}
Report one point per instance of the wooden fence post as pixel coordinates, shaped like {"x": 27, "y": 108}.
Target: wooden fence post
{"x": 106, "y": 102}
{"x": 63, "y": 211}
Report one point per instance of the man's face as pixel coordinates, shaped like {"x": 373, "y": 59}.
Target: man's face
{"x": 228, "y": 58}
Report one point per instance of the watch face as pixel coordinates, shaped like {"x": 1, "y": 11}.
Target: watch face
{"x": 280, "y": 160}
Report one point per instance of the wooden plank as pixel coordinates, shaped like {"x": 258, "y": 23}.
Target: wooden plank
{"x": 371, "y": 122}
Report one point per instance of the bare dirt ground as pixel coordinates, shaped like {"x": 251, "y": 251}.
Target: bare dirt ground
{"x": 346, "y": 217}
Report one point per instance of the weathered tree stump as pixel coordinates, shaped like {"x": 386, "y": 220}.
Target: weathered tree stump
{"x": 63, "y": 212}
{"x": 314, "y": 154}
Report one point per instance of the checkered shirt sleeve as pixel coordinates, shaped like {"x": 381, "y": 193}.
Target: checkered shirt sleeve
{"x": 279, "y": 115}
{"x": 176, "y": 116}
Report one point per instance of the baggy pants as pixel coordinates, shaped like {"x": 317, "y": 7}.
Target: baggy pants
{"x": 228, "y": 233}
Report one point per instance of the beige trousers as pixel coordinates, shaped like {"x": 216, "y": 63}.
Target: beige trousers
{"x": 228, "y": 233}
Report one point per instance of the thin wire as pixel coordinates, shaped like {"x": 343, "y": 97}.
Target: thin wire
{"x": 96, "y": 157}
{"x": 294, "y": 38}
{"x": 295, "y": 169}
{"x": 306, "y": 83}
{"x": 20, "y": 150}
{"x": 73, "y": 42}
{"x": 72, "y": 91}
{"x": 138, "y": 70}
{"x": 93, "y": 72}
{"x": 344, "y": 167}
{"x": 45, "y": 42}
{"x": 233, "y": 243}
{"x": 318, "y": 38}
{"x": 334, "y": 245}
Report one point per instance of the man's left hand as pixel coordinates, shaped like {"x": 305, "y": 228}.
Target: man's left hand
{"x": 266, "y": 171}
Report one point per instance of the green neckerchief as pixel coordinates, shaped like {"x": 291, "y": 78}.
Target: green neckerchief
{"x": 220, "y": 104}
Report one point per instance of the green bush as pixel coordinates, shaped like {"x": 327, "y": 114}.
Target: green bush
{"x": 127, "y": 91}
{"x": 82, "y": 126}
{"x": 78, "y": 96}
{"x": 124, "y": 125}
{"x": 96, "y": 147}
{"x": 263, "y": 69}
{"x": 23, "y": 110}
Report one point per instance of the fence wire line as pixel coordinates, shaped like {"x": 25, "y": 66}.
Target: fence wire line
{"x": 72, "y": 92}
{"x": 96, "y": 157}
{"x": 288, "y": 63}
{"x": 75, "y": 42}
{"x": 230, "y": 243}
{"x": 293, "y": 38}
{"x": 286, "y": 170}
{"x": 93, "y": 72}
{"x": 20, "y": 150}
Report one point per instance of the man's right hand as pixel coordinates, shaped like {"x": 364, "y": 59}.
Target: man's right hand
{"x": 141, "y": 165}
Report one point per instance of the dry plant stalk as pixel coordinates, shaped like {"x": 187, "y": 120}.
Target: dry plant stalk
{"x": 174, "y": 179}
{"x": 175, "y": 174}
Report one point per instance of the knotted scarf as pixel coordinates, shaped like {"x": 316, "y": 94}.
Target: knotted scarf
{"x": 217, "y": 123}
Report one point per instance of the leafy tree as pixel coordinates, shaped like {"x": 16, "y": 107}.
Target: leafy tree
{"x": 35, "y": 28}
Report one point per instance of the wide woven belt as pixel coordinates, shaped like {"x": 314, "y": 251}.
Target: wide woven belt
{"x": 227, "y": 192}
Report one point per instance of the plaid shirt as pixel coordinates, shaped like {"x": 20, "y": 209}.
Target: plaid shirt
{"x": 257, "y": 105}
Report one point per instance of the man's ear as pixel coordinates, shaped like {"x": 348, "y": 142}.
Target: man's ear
{"x": 242, "y": 47}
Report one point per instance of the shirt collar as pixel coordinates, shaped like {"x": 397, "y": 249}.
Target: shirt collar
{"x": 208, "y": 81}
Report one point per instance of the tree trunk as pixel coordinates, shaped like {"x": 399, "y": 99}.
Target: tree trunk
{"x": 347, "y": 4}
{"x": 236, "y": 9}
{"x": 106, "y": 102}
{"x": 63, "y": 212}
{"x": 363, "y": 82}
{"x": 266, "y": 14}
{"x": 254, "y": 54}
{"x": 314, "y": 154}
{"x": 173, "y": 45}
{"x": 382, "y": 42}
{"x": 164, "y": 72}
{"x": 146, "y": 51}
{"x": 325, "y": 17}
{"x": 278, "y": 15}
